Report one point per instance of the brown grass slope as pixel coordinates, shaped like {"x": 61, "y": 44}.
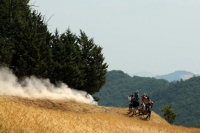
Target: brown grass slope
{"x": 23, "y": 115}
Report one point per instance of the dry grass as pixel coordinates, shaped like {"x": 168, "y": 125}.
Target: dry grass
{"x": 22, "y": 115}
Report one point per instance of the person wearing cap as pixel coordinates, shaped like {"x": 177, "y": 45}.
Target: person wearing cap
{"x": 149, "y": 106}
{"x": 135, "y": 101}
{"x": 137, "y": 97}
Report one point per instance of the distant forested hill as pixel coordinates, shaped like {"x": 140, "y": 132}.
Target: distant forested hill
{"x": 183, "y": 95}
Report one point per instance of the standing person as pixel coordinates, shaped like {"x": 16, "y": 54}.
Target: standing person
{"x": 130, "y": 103}
{"x": 137, "y": 99}
{"x": 135, "y": 102}
{"x": 142, "y": 109}
{"x": 149, "y": 106}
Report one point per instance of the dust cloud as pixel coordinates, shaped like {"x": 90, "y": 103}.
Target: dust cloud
{"x": 33, "y": 87}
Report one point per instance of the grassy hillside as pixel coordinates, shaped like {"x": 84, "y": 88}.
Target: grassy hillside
{"x": 23, "y": 115}
{"x": 184, "y": 95}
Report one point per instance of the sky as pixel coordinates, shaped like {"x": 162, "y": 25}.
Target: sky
{"x": 156, "y": 36}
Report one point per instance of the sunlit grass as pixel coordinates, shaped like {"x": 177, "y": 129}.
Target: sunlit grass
{"x": 19, "y": 115}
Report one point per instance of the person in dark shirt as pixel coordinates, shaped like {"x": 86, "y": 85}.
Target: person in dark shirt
{"x": 149, "y": 105}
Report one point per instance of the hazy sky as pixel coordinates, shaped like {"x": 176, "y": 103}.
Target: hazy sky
{"x": 158, "y": 36}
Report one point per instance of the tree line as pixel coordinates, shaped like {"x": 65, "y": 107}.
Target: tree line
{"x": 183, "y": 95}
{"x": 28, "y": 48}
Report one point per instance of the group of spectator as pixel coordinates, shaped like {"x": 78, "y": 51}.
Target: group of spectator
{"x": 146, "y": 104}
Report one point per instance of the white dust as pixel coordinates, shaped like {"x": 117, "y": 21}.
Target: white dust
{"x": 37, "y": 88}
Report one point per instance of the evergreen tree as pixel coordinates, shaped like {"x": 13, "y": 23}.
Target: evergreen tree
{"x": 44, "y": 63}
{"x": 57, "y": 52}
{"x": 94, "y": 66}
{"x": 6, "y": 51}
{"x": 25, "y": 37}
{"x": 32, "y": 56}
{"x": 28, "y": 49}
{"x": 169, "y": 114}
{"x": 67, "y": 60}
{"x": 72, "y": 67}
{"x": 13, "y": 12}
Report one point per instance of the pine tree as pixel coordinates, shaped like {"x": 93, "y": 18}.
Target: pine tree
{"x": 30, "y": 39}
{"x": 169, "y": 114}
{"x": 57, "y": 52}
{"x": 6, "y": 52}
{"x": 94, "y": 66}
{"x": 28, "y": 48}
{"x": 44, "y": 63}
{"x": 67, "y": 60}
{"x": 74, "y": 74}
{"x": 10, "y": 19}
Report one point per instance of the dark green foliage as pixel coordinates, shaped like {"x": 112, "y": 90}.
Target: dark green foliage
{"x": 24, "y": 33}
{"x": 169, "y": 114}
{"x": 184, "y": 96}
{"x": 67, "y": 60}
{"x": 6, "y": 51}
{"x": 12, "y": 13}
{"x": 11, "y": 22}
{"x": 78, "y": 62}
{"x": 92, "y": 60}
{"x": 119, "y": 85}
{"x": 198, "y": 126}
{"x": 32, "y": 53}
{"x": 28, "y": 48}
